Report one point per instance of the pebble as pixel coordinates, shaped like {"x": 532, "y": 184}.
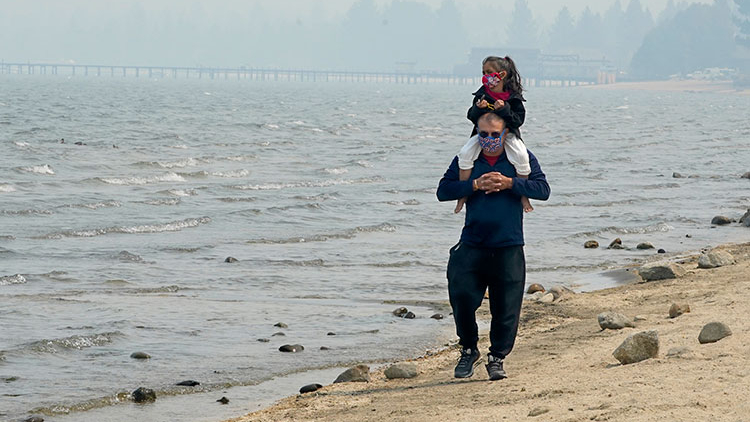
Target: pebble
{"x": 538, "y": 411}
{"x": 689, "y": 236}
{"x": 331, "y": 333}
{"x": 309, "y": 388}
{"x": 676, "y": 175}
{"x": 613, "y": 321}
{"x": 678, "y": 309}
{"x": 410, "y": 315}
{"x": 291, "y": 348}
{"x": 231, "y": 260}
{"x": 264, "y": 340}
{"x": 400, "y": 312}
{"x": 660, "y": 271}
{"x": 140, "y": 355}
{"x": 280, "y": 325}
{"x": 715, "y": 259}
{"x": 535, "y": 288}
{"x": 713, "y": 332}
{"x": 188, "y": 383}
{"x": 359, "y": 373}
{"x": 223, "y": 400}
{"x": 143, "y": 395}
{"x": 278, "y": 334}
{"x": 661, "y": 251}
{"x": 720, "y": 220}
{"x": 547, "y": 298}
{"x": 325, "y": 348}
{"x": 638, "y": 347}
{"x": 639, "y": 318}
{"x": 591, "y": 244}
{"x": 645, "y": 245}
{"x": 34, "y": 419}
{"x": 437, "y": 316}
{"x": 401, "y": 370}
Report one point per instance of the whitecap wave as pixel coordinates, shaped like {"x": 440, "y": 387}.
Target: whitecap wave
{"x": 336, "y": 170}
{"x": 7, "y": 188}
{"x": 12, "y": 279}
{"x": 310, "y": 184}
{"x": 45, "y": 169}
{"x": 94, "y": 205}
{"x": 172, "y": 226}
{"x": 166, "y": 177}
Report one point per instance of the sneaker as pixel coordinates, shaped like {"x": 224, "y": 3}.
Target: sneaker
{"x": 495, "y": 368}
{"x": 466, "y": 363}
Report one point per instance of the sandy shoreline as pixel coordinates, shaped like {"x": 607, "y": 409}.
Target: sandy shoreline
{"x": 563, "y": 366}
{"x": 721, "y": 87}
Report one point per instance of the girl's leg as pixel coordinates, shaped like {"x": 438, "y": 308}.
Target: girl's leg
{"x": 462, "y": 175}
{"x": 525, "y": 201}
{"x": 519, "y": 157}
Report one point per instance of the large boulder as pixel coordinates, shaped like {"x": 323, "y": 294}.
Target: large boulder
{"x": 359, "y": 373}
{"x": 613, "y": 321}
{"x": 714, "y": 259}
{"x": 401, "y": 370}
{"x": 638, "y": 347}
{"x": 713, "y": 332}
{"x": 660, "y": 271}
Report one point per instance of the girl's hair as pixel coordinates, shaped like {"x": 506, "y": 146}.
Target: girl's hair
{"x": 513, "y": 79}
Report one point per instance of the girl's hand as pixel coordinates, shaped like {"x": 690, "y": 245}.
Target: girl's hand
{"x": 499, "y": 104}
{"x": 482, "y": 103}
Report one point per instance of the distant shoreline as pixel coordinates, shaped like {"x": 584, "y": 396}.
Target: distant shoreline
{"x": 721, "y": 87}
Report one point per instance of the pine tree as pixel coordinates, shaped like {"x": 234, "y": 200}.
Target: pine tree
{"x": 522, "y": 30}
{"x": 742, "y": 20}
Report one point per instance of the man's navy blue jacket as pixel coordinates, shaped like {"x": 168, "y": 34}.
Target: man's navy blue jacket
{"x": 493, "y": 220}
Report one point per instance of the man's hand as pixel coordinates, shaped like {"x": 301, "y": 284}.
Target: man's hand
{"x": 493, "y": 182}
{"x": 482, "y": 103}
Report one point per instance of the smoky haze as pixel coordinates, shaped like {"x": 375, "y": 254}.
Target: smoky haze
{"x": 426, "y": 35}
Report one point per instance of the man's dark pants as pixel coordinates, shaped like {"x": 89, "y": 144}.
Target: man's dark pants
{"x": 471, "y": 270}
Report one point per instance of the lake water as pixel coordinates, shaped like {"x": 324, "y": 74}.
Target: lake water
{"x": 325, "y": 194}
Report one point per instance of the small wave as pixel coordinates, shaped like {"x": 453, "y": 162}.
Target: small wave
{"x": 238, "y": 199}
{"x": 348, "y": 234}
{"x": 21, "y": 144}
{"x": 162, "y": 289}
{"x": 167, "y": 177}
{"x": 26, "y": 212}
{"x": 165, "y": 201}
{"x": 401, "y": 264}
{"x": 7, "y": 188}
{"x": 336, "y": 170}
{"x": 126, "y": 256}
{"x": 148, "y": 228}
{"x": 12, "y": 279}
{"x": 407, "y": 202}
{"x": 304, "y": 263}
{"x": 76, "y": 342}
{"x": 310, "y": 206}
{"x": 311, "y": 184}
{"x": 180, "y": 192}
{"x": 186, "y": 162}
{"x": 45, "y": 169}
{"x": 654, "y": 228}
{"x": 228, "y": 174}
{"x": 271, "y": 126}
{"x": 94, "y": 205}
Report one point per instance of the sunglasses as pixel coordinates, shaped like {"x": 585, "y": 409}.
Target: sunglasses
{"x": 484, "y": 134}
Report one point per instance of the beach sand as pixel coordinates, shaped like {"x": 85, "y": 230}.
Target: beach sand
{"x": 563, "y": 369}
{"x": 687, "y": 85}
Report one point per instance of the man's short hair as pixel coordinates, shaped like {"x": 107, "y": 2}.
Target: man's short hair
{"x": 491, "y": 118}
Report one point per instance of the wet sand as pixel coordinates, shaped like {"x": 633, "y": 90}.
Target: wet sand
{"x": 562, "y": 368}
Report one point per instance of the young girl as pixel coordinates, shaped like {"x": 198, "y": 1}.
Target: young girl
{"x": 501, "y": 93}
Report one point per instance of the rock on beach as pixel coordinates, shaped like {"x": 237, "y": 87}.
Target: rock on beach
{"x": 140, "y": 355}
{"x": 613, "y": 321}
{"x": 591, "y": 244}
{"x": 745, "y": 219}
{"x": 291, "y": 348}
{"x": 713, "y": 332}
{"x": 715, "y": 259}
{"x": 616, "y": 244}
{"x": 644, "y": 246}
{"x": 660, "y": 271}
{"x": 678, "y": 309}
{"x": 359, "y": 373}
{"x": 638, "y": 347}
{"x": 401, "y": 370}
{"x": 309, "y": 388}
{"x": 720, "y": 220}
{"x": 535, "y": 288}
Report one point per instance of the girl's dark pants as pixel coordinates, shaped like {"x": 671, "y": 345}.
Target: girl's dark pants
{"x": 471, "y": 270}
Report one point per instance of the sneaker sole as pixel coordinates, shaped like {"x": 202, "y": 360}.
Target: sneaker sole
{"x": 501, "y": 377}
{"x": 473, "y": 365}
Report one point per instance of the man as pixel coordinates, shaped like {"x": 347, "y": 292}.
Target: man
{"x": 490, "y": 252}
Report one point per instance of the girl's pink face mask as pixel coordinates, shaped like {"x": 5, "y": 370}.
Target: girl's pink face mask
{"x": 491, "y": 80}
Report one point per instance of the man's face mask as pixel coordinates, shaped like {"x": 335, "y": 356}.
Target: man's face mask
{"x": 491, "y": 142}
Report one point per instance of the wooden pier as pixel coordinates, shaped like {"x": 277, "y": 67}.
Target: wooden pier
{"x": 257, "y": 74}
